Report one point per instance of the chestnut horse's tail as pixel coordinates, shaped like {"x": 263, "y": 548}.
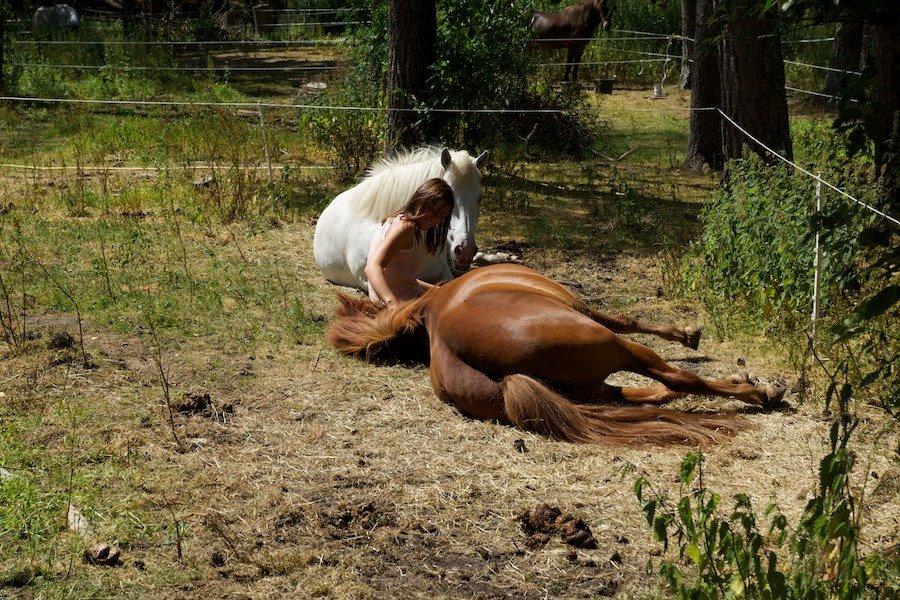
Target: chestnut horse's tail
{"x": 375, "y": 334}
{"x": 532, "y": 406}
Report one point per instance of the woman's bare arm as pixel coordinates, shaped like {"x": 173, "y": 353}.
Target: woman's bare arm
{"x": 396, "y": 239}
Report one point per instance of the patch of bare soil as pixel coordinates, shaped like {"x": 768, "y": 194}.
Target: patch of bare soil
{"x": 334, "y": 478}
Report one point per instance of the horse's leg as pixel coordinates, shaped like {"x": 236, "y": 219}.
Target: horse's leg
{"x": 620, "y": 323}
{"x": 467, "y": 388}
{"x": 645, "y": 361}
{"x": 576, "y": 59}
{"x": 569, "y": 61}
{"x": 605, "y": 393}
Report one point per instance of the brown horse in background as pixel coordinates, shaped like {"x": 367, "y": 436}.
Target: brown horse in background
{"x": 571, "y": 28}
{"x": 508, "y": 344}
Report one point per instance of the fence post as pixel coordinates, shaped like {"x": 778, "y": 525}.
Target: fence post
{"x": 817, "y": 263}
{"x": 253, "y": 10}
{"x": 262, "y": 124}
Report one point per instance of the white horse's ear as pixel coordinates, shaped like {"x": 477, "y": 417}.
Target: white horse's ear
{"x": 446, "y": 159}
{"x": 482, "y": 158}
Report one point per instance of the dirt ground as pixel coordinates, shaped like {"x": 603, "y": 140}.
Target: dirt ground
{"x": 308, "y": 474}
{"x": 301, "y": 473}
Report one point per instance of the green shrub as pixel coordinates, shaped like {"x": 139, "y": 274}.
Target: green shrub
{"x": 743, "y": 555}
{"x": 755, "y": 253}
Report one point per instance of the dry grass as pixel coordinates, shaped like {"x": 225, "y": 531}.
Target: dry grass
{"x": 319, "y": 476}
{"x": 336, "y": 478}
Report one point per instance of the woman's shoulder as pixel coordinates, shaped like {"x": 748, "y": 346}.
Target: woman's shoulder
{"x": 400, "y": 225}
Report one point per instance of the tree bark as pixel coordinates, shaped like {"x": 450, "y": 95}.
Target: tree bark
{"x": 705, "y": 138}
{"x": 752, "y": 71}
{"x": 688, "y": 30}
{"x": 412, "y": 31}
{"x": 2, "y": 36}
{"x": 846, "y": 54}
{"x": 887, "y": 93}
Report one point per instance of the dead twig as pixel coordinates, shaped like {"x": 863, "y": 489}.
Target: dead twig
{"x": 66, "y": 293}
{"x": 164, "y": 382}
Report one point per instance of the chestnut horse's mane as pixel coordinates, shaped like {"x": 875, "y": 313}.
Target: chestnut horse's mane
{"x": 367, "y": 331}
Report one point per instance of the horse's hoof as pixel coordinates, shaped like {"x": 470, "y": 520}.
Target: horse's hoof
{"x": 774, "y": 393}
{"x": 738, "y": 378}
{"x": 692, "y": 337}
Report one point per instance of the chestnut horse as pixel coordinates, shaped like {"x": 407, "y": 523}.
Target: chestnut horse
{"x": 571, "y": 28}
{"x": 508, "y": 344}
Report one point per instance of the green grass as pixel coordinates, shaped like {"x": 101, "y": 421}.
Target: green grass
{"x": 180, "y": 277}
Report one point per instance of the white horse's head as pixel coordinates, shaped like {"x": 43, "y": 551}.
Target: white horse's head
{"x": 463, "y": 173}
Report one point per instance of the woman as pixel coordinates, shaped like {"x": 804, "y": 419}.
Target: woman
{"x": 392, "y": 265}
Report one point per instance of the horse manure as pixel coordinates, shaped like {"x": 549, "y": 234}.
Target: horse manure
{"x": 201, "y": 404}
{"x": 545, "y": 521}
{"x": 343, "y": 520}
{"x": 60, "y": 340}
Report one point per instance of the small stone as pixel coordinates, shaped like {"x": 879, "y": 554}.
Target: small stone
{"x": 204, "y": 182}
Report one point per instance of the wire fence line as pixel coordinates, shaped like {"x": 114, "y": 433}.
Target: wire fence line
{"x": 809, "y": 173}
{"x": 303, "y": 42}
{"x": 101, "y": 168}
{"x": 822, "y": 67}
{"x": 325, "y": 107}
{"x": 319, "y": 68}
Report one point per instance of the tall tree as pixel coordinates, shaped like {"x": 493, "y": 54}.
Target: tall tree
{"x": 886, "y": 37}
{"x": 688, "y": 32}
{"x": 412, "y": 31}
{"x": 705, "y": 138}
{"x": 752, "y": 71}
{"x": 846, "y": 55}
{"x": 2, "y": 37}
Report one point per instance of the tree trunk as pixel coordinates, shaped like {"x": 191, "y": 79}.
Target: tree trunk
{"x": 887, "y": 94}
{"x": 688, "y": 30}
{"x": 846, "y": 55}
{"x": 2, "y": 36}
{"x": 129, "y": 12}
{"x": 752, "y": 71}
{"x": 705, "y": 139}
{"x": 412, "y": 31}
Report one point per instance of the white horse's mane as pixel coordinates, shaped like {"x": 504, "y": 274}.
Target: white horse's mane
{"x": 391, "y": 181}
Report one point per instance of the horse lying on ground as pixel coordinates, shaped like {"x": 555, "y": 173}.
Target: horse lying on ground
{"x": 571, "y": 28}
{"x": 508, "y": 344}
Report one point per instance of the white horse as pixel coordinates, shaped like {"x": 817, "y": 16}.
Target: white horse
{"x": 57, "y": 17}
{"x": 346, "y": 226}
